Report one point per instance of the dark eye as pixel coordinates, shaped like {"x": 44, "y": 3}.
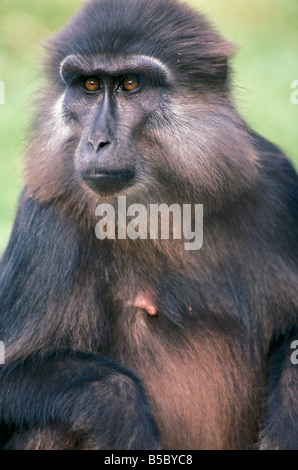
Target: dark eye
{"x": 129, "y": 84}
{"x": 92, "y": 84}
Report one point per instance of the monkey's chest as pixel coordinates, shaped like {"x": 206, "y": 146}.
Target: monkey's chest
{"x": 201, "y": 393}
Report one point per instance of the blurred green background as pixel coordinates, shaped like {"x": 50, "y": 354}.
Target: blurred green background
{"x": 266, "y": 32}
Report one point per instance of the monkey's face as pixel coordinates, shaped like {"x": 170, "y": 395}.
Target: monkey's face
{"x": 111, "y": 101}
{"x": 138, "y": 104}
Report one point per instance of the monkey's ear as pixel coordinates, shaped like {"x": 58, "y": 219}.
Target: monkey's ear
{"x": 218, "y": 64}
{"x": 223, "y": 68}
{"x": 222, "y": 56}
{"x": 210, "y": 57}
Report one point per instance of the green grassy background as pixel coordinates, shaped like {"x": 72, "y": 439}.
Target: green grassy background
{"x": 265, "y": 66}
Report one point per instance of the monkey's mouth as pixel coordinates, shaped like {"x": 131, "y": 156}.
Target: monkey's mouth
{"x": 106, "y": 181}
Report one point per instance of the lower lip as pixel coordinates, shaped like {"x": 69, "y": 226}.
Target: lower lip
{"x": 108, "y": 182}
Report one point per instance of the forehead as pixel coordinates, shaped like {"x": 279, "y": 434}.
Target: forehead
{"x": 119, "y": 26}
{"x": 159, "y": 29}
{"x": 171, "y": 37}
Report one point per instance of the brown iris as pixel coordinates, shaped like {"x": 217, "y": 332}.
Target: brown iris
{"x": 129, "y": 84}
{"x": 92, "y": 84}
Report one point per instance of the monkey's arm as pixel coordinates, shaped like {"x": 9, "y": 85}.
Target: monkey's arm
{"x": 97, "y": 403}
{"x": 92, "y": 400}
{"x": 280, "y": 430}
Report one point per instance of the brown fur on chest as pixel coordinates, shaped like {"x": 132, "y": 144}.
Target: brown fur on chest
{"x": 202, "y": 384}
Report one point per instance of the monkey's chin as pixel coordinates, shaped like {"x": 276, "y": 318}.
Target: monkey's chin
{"x": 108, "y": 183}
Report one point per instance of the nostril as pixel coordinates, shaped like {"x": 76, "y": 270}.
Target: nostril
{"x": 103, "y": 144}
{"x": 97, "y": 146}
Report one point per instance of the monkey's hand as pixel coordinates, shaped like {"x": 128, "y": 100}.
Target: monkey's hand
{"x": 79, "y": 401}
{"x": 280, "y": 431}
